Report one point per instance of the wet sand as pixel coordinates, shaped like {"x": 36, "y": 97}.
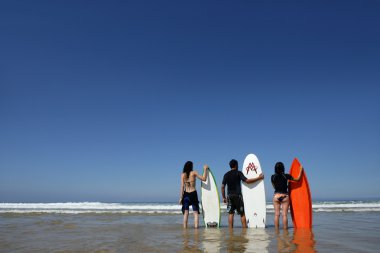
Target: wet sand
{"x": 332, "y": 232}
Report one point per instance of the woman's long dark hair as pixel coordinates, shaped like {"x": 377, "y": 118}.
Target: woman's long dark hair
{"x": 187, "y": 168}
{"x": 279, "y": 168}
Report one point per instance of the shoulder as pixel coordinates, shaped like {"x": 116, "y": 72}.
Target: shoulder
{"x": 226, "y": 175}
{"x": 288, "y": 176}
{"x": 241, "y": 175}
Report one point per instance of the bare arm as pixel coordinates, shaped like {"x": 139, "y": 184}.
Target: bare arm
{"x": 299, "y": 176}
{"x": 182, "y": 187}
{"x": 252, "y": 180}
{"x": 224, "y": 193}
{"x": 204, "y": 176}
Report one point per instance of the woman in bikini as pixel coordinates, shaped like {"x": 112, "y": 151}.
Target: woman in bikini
{"x": 281, "y": 193}
{"x": 188, "y": 193}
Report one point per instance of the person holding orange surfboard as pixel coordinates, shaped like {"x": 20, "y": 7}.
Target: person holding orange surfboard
{"x": 281, "y": 193}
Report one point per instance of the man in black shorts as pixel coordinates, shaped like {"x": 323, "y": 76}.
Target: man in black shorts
{"x": 234, "y": 198}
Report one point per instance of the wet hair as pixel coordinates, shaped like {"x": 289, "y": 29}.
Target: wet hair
{"x": 279, "y": 168}
{"x": 233, "y": 163}
{"x": 188, "y": 167}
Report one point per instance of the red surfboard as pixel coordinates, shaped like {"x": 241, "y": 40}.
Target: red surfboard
{"x": 300, "y": 198}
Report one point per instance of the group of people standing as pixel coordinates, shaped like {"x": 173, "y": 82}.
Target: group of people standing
{"x": 234, "y": 199}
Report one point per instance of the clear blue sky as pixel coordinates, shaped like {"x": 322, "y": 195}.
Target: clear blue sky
{"x": 106, "y": 100}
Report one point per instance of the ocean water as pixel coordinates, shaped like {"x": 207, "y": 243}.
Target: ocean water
{"x": 163, "y": 208}
{"x": 340, "y": 226}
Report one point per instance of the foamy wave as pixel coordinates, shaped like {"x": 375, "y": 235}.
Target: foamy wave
{"x": 90, "y": 207}
{"x": 162, "y": 208}
{"x": 347, "y": 206}
{"x": 60, "y": 211}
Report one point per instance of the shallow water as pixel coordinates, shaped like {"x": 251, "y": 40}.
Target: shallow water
{"x": 332, "y": 232}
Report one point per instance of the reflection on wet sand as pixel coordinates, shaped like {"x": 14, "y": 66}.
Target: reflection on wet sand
{"x": 257, "y": 240}
{"x": 301, "y": 241}
{"x": 212, "y": 239}
{"x": 225, "y": 240}
{"x": 235, "y": 240}
{"x": 191, "y": 240}
{"x": 284, "y": 241}
{"x": 304, "y": 240}
{"x": 247, "y": 240}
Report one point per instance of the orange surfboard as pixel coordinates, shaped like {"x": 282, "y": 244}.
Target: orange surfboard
{"x": 300, "y": 198}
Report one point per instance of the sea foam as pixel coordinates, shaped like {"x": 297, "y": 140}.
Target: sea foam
{"x": 164, "y": 208}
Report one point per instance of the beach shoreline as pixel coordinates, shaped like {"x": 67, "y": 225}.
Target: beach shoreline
{"x": 121, "y": 232}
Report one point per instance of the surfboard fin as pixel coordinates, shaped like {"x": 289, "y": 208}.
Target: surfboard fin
{"x": 212, "y": 224}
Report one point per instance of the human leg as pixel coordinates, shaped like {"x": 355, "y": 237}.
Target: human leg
{"x": 185, "y": 210}
{"x": 277, "y": 206}
{"x": 285, "y": 206}
{"x": 185, "y": 218}
{"x": 231, "y": 211}
{"x": 240, "y": 210}
{"x": 196, "y": 219}
{"x": 231, "y": 220}
{"x": 243, "y": 221}
{"x": 195, "y": 206}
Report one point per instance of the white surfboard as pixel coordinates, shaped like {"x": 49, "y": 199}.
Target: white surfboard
{"x": 210, "y": 201}
{"x": 254, "y": 194}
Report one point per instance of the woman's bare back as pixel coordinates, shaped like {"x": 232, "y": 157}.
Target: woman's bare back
{"x": 190, "y": 183}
